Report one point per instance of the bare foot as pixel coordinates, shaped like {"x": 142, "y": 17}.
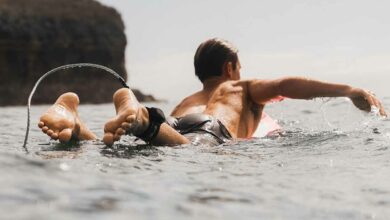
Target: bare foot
{"x": 61, "y": 121}
{"x": 131, "y": 117}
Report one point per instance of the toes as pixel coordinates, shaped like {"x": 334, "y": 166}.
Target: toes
{"x": 126, "y": 125}
{"x": 54, "y": 136}
{"x": 120, "y": 132}
{"x": 50, "y": 132}
{"x": 131, "y": 118}
{"x": 108, "y": 139}
{"x": 65, "y": 135}
{"x": 110, "y": 127}
{"x": 41, "y": 124}
{"x": 44, "y": 129}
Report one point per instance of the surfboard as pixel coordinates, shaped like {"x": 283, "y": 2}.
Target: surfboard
{"x": 268, "y": 125}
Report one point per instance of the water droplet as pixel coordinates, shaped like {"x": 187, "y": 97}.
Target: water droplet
{"x": 374, "y": 111}
{"x": 64, "y": 167}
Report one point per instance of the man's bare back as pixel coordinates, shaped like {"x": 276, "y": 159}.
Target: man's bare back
{"x": 228, "y": 101}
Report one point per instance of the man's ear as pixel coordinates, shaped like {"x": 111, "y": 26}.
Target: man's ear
{"x": 227, "y": 69}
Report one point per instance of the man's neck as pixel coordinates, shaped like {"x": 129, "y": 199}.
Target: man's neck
{"x": 212, "y": 83}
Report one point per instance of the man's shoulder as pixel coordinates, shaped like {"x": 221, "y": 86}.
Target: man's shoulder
{"x": 244, "y": 81}
{"x": 252, "y": 80}
{"x": 241, "y": 82}
{"x": 191, "y": 98}
{"x": 257, "y": 82}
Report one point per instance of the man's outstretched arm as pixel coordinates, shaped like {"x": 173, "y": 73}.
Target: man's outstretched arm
{"x": 263, "y": 91}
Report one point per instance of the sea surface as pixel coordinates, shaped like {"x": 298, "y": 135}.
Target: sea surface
{"x": 330, "y": 161}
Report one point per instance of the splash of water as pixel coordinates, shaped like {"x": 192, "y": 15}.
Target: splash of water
{"x": 341, "y": 115}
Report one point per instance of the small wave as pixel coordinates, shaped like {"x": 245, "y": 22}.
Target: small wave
{"x": 215, "y": 198}
{"x": 17, "y": 160}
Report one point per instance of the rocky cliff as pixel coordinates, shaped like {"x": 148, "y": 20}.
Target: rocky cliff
{"x": 38, "y": 35}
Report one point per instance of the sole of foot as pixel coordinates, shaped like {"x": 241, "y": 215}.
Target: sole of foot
{"x": 61, "y": 121}
{"x": 131, "y": 117}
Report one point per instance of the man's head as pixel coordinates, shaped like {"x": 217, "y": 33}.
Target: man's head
{"x": 215, "y": 57}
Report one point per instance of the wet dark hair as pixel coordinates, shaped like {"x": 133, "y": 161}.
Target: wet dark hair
{"x": 210, "y": 57}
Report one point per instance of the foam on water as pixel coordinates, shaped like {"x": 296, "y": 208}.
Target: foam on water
{"x": 309, "y": 171}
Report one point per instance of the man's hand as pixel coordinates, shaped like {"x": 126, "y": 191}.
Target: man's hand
{"x": 363, "y": 100}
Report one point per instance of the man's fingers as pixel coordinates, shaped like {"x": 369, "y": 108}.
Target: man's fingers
{"x": 376, "y": 102}
{"x": 382, "y": 110}
{"x": 373, "y": 101}
{"x": 379, "y": 105}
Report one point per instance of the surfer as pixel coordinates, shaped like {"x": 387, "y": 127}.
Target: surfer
{"x": 227, "y": 106}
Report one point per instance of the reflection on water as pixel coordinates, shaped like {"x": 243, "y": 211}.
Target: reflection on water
{"x": 308, "y": 171}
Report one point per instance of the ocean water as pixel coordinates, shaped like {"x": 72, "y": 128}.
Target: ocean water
{"x": 329, "y": 162}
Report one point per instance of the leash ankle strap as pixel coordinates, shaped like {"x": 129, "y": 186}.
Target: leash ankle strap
{"x": 156, "y": 118}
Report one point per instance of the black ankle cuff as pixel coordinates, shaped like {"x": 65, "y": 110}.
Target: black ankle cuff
{"x": 156, "y": 118}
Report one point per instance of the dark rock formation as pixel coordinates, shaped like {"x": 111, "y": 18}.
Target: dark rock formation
{"x": 38, "y": 35}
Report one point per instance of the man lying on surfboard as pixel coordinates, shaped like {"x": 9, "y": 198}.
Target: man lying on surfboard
{"x": 227, "y": 107}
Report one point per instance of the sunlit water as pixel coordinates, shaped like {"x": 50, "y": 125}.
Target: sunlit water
{"x": 330, "y": 162}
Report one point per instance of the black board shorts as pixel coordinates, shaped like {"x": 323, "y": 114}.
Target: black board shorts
{"x": 200, "y": 129}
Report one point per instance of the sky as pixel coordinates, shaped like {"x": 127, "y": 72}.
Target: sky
{"x": 343, "y": 41}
